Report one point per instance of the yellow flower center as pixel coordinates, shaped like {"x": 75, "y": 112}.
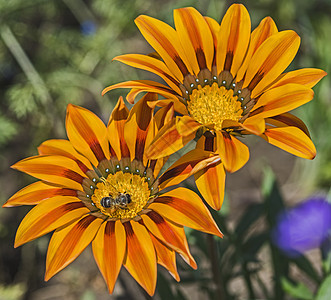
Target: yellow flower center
{"x": 211, "y": 105}
{"x": 121, "y": 195}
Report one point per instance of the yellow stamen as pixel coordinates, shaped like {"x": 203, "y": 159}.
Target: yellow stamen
{"x": 211, "y": 105}
{"x": 122, "y": 183}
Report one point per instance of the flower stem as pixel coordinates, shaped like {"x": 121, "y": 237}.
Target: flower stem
{"x": 220, "y": 294}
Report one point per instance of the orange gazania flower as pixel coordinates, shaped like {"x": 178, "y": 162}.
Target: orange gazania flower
{"x": 98, "y": 187}
{"x": 227, "y": 82}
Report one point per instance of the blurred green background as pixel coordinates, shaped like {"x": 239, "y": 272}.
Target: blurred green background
{"x": 55, "y": 52}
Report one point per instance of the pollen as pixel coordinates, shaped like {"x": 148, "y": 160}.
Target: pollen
{"x": 211, "y": 105}
{"x": 122, "y": 184}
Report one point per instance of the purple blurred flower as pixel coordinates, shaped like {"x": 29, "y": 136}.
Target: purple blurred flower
{"x": 88, "y": 27}
{"x": 303, "y": 227}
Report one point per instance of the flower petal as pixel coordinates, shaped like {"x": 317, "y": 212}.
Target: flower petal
{"x": 54, "y": 169}
{"x": 37, "y": 192}
{"x": 87, "y": 133}
{"x": 173, "y": 236}
{"x": 292, "y": 140}
{"x": 169, "y": 140}
{"x": 178, "y": 106}
{"x": 266, "y": 28}
{"x": 164, "y": 115}
{"x": 211, "y": 184}
{"x": 308, "y": 77}
{"x": 185, "y": 207}
{"x": 47, "y": 216}
{"x": 115, "y": 129}
{"x": 282, "y": 99}
{"x": 164, "y": 39}
{"x": 233, "y": 40}
{"x": 195, "y": 37}
{"x": 183, "y": 168}
{"x": 186, "y": 125}
{"x": 150, "y": 64}
{"x": 140, "y": 259}
{"x": 214, "y": 28}
{"x": 64, "y": 148}
{"x": 137, "y": 130}
{"x": 109, "y": 248}
{"x": 233, "y": 153}
{"x": 69, "y": 242}
{"x": 270, "y": 60}
{"x": 254, "y": 125}
{"x": 142, "y": 86}
{"x": 165, "y": 257}
{"x": 287, "y": 119}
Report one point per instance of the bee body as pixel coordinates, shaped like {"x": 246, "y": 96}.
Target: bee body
{"x": 107, "y": 202}
{"x": 121, "y": 201}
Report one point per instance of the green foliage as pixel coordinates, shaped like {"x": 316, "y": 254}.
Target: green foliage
{"x": 8, "y": 129}
{"x": 12, "y": 292}
{"x": 324, "y": 290}
{"x": 299, "y": 291}
{"x": 46, "y": 62}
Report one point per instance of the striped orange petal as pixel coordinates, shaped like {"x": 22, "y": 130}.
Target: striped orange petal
{"x": 233, "y": 40}
{"x": 37, "y": 192}
{"x": 308, "y": 77}
{"x": 47, "y": 216}
{"x": 150, "y": 64}
{"x": 287, "y": 119}
{"x": 109, "y": 248}
{"x": 185, "y": 167}
{"x": 165, "y": 257}
{"x": 138, "y": 131}
{"x": 282, "y": 99}
{"x": 211, "y": 184}
{"x": 115, "y": 129}
{"x": 292, "y": 140}
{"x": 64, "y": 148}
{"x": 140, "y": 259}
{"x": 165, "y": 40}
{"x": 214, "y": 28}
{"x": 266, "y": 28}
{"x": 142, "y": 86}
{"x": 54, "y": 169}
{"x": 234, "y": 154}
{"x": 270, "y": 60}
{"x": 195, "y": 37}
{"x": 173, "y": 236}
{"x": 184, "y": 207}
{"x": 87, "y": 133}
{"x": 169, "y": 140}
{"x": 67, "y": 243}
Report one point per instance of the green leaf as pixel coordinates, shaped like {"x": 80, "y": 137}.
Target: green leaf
{"x": 324, "y": 291}
{"x": 299, "y": 291}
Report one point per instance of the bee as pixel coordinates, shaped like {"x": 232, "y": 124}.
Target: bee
{"x": 121, "y": 201}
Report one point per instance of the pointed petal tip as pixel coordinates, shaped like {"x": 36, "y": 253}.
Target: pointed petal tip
{"x": 18, "y": 243}
{"x": 110, "y": 287}
{"x": 106, "y": 90}
{"x": 323, "y": 74}
{"x": 71, "y": 107}
{"x": 219, "y": 233}
{"x": 7, "y": 204}
{"x": 47, "y": 276}
{"x": 14, "y": 166}
{"x": 193, "y": 264}
{"x": 175, "y": 276}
